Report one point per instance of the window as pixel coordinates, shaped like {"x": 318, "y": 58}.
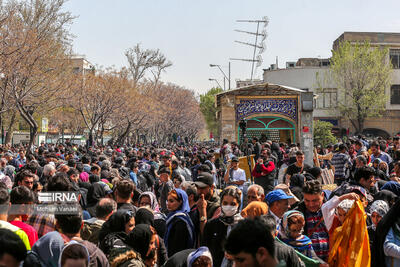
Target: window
{"x": 394, "y": 55}
{"x": 395, "y": 94}
{"x": 327, "y": 99}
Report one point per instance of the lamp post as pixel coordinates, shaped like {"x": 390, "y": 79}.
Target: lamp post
{"x": 216, "y": 82}
{"x": 223, "y": 73}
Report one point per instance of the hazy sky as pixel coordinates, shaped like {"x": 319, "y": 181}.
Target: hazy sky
{"x": 193, "y": 34}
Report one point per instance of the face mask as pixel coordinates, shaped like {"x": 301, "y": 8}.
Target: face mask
{"x": 229, "y": 210}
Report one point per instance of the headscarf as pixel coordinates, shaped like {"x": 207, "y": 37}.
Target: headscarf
{"x": 71, "y": 245}
{"x": 393, "y": 187}
{"x": 380, "y": 207}
{"x": 302, "y": 243}
{"x": 95, "y": 193}
{"x": 6, "y": 180}
{"x": 201, "y": 251}
{"x": 139, "y": 239}
{"x": 144, "y": 216}
{"x": 9, "y": 171}
{"x": 49, "y": 248}
{"x": 255, "y": 209}
{"x": 387, "y": 222}
{"x": 231, "y": 220}
{"x": 84, "y": 177}
{"x": 346, "y": 204}
{"x": 387, "y": 196}
{"x": 116, "y": 223}
{"x": 153, "y": 200}
{"x": 182, "y": 214}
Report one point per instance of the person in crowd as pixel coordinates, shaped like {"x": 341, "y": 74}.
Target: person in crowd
{"x": 91, "y": 227}
{"x": 148, "y": 199}
{"x": 114, "y": 231}
{"x": 315, "y": 228}
{"x": 166, "y": 185}
{"x": 250, "y": 244}
{"x": 235, "y": 175}
{"x": 255, "y": 192}
{"x": 13, "y": 250}
{"x": 206, "y": 189}
{"x": 217, "y": 229}
{"x": 123, "y": 194}
{"x": 256, "y": 148}
{"x": 298, "y": 167}
{"x": 74, "y": 254}
{"x": 22, "y": 197}
{"x": 180, "y": 233}
{"x": 264, "y": 171}
{"x": 95, "y": 193}
{"x": 290, "y": 232}
{"x": 254, "y": 209}
{"x": 341, "y": 161}
{"x": 278, "y": 203}
{"x": 377, "y": 153}
{"x": 377, "y": 210}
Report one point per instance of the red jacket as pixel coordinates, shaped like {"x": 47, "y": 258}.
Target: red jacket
{"x": 265, "y": 170}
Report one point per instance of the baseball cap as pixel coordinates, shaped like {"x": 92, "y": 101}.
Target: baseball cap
{"x": 204, "y": 179}
{"x": 235, "y": 159}
{"x": 276, "y": 195}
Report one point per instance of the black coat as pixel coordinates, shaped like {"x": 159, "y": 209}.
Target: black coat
{"x": 214, "y": 237}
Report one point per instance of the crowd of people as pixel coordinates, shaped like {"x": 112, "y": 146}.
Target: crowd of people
{"x": 195, "y": 205}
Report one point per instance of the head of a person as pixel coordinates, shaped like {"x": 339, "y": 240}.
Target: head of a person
{"x": 21, "y": 153}
{"x": 313, "y": 195}
{"x": 105, "y": 208}
{"x": 235, "y": 163}
{"x": 358, "y": 145}
{"x": 201, "y": 257}
{"x": 177, "y": 180}
{"x": 293, "y": 223}
{"x": 343, "y": 208}
{"x": 166, "y": 160}
{"x": 342, "y": 148}
{"x": 361, "y": 161}
{"x": 250, "y": 244}
{"x": 165, "y": 174}
{"x": 74, "y": 254}
{"x": 59, "y": 182}
{"x": 70, "y": 224}
{"x": 375, "y": 147}
{"x": 300, "y": 157}
{"x": 378, "y": 209}
{"x": 365, "y": 177}
{"x": 255, "y": 192}
{"x": 177, "y": 200}
{"x": 191, "y": 191}
{"x": 254, "y": 209}
{"x": 278, "y": 202}
{"x": 124, "y": 191}
{"x": 205, "y": 185}
{"x": 143, "y": 240}
{"x": 73, "y": 175}
{"x": 230, "y": 200}
{"x": 13, "y": 250}
{"x": 25, "y": 178}
{"x": 22, "y": 196}
{"x": 49, "y": 170}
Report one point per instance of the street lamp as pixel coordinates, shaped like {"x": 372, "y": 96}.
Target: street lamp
{"x": 216, "y": 82}
{"x": 225, "y": 77}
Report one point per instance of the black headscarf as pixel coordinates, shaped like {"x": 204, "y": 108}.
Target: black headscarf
{"x": 116, "y": 223}
{"x": 383, "y": 228}
{"x": 387, "y": 196}
{"x": 139, "y": 239}
{"x": 144, "y": 216}
{"x": 95, "y": 193}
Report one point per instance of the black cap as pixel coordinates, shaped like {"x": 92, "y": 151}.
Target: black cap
{"x": 204, "y": 179}
{"x": 235, "y": 159}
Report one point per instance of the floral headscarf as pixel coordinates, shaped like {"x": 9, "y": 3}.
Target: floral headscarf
{"x": 380, "y": 207}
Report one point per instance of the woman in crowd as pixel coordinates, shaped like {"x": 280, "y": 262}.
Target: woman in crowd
{"x": 114, "y": 231}
{"x": 148, "y": 199}
{"x": 290, "y": 232}
{"x": 180, "y": 233}
{"x": 255, "y": 209}
{"x": 377, "y": 210}
{"x": 216, "y": 230}
{"x": 74, "y": 254}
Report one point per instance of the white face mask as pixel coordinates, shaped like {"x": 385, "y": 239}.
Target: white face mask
{"x": 229, "y": 210}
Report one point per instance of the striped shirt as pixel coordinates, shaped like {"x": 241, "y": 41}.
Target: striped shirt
{"x": 317, "y": 232}
{"x": 341, "y": 161}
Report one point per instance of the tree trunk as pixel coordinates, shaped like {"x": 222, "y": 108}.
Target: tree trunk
{"x": 120, "y": 139}
{"x": 10, "y": 128}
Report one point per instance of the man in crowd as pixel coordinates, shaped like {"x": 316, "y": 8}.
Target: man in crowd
{"x": 206, "y": 190}
{"x": 123, "y": 195}
{"x": 264, "y": 171}
{"x": 377, "y": 153}
{"x": 165, "y": 186}
{"x": 278, "y": 203}
{"x": 234, "y": 175}
{"x": 341, "y": 162}
{"x": 298, "y": 167}
{"x": 255, "y": 193}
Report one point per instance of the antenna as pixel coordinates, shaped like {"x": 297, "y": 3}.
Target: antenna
{"x": 262, "y": 34}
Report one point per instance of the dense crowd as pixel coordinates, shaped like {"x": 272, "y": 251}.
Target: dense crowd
{"x": 195, "y": 205}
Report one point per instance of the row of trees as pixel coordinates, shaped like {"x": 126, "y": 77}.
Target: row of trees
{"x": 38, "y": 79}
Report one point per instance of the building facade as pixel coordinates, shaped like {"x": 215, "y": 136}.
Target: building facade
{"x": 308, "y": 74}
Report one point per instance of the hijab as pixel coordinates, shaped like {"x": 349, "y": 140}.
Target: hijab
{"x": 74, "y": 245}
{"x": 301, "y": 243}
{"x": 184, "y": 207}
{"x": 201, "y": 251}
{"x": 116, "y": 223}
{"x": 144, "y": 216}
{"x": 153, "y": 200}
{"x": 139, "y": 239}
{"x": 49, "y": 248}
{"x": 95, "y": 193}
{"x": 255, "y": 209}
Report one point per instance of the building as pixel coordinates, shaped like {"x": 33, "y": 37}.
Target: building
{"x": 82, "y": 65}
{"x": 248, "y": 82}
{"x": 304, "y": 73}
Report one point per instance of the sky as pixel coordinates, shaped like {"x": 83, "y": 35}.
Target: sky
{"x": 193, "y": 34}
